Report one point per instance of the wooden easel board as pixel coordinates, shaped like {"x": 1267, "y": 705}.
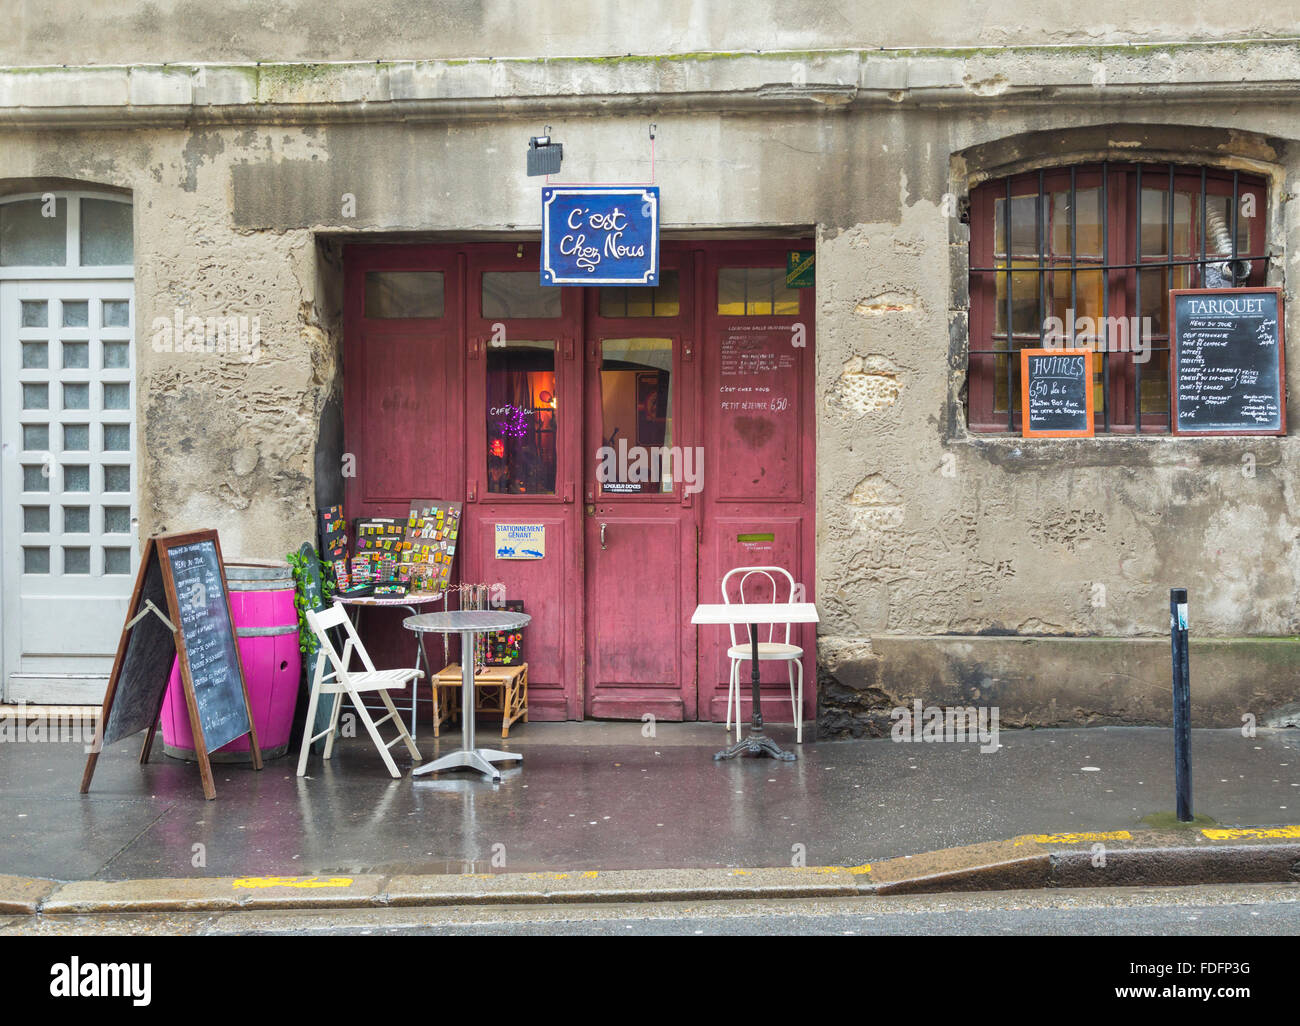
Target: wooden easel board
{"x": 182, "y": 579}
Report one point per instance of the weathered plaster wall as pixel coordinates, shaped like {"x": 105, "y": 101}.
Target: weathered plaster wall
{"x": 127, "y": 31}
{"x": 225, "y": 441}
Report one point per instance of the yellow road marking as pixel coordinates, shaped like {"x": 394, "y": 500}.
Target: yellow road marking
{"x": 254, "y": 882}
{"x": 1109, "y": 835}
{"x": 1261, "y": 832}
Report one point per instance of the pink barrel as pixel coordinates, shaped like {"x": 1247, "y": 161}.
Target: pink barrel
{"x": 266, "y": 623}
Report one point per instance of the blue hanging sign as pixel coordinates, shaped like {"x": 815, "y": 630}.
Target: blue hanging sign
{"x": 600, "y": 235}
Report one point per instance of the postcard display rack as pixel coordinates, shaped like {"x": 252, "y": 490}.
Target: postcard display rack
{"x": 393, "y": 556}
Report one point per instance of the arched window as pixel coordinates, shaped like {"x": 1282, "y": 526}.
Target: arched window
{"x": 1095, "y": 249}
{"x": 78, "y": 230}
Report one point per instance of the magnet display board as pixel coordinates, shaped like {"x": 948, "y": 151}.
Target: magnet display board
{"x": 1227, "y": 366}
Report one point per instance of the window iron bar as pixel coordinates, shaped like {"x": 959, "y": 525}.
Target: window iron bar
{"x": 1011, "y": 327}
{"x": 1105, "y": 296}
{"x": 1074, "y": 249}
{"x": 1202, "y": 264}
{"x": 1040, "y": 225}
{"x": 1101, "y": 265}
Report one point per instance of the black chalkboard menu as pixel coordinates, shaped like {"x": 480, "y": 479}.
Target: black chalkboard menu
{"x": 208, "y": 640}
{"x": 1227, "y": 363}
{"x": 179, "y": 610}
{"x": 1056, "y": 397}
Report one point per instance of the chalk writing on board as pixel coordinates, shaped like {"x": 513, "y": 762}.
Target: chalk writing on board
{"x": 1057, "y": 393}
{"x": 1226, "y": 366}
{"x": 764, "y": 371}
{"x": 209, "y": 642}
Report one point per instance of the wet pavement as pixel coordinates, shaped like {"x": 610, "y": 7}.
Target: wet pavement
{"x": 602, "y": 796}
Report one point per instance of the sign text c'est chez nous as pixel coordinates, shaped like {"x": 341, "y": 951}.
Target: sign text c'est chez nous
{"x": 600, "y": 235}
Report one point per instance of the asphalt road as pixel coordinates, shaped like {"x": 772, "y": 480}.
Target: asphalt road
{"x": 1236, "y": 910}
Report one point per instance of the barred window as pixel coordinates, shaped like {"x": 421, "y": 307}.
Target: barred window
{"x": 1065, "y": 255}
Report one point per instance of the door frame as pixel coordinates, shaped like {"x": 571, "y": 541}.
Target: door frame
{"x": 578, "y": 331}
{"x": 647, "y": 509}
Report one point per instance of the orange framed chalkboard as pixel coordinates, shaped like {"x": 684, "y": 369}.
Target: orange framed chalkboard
{"x": 1056, "y": 393}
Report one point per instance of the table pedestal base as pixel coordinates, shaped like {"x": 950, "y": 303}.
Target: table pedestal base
{"x": 480, "y": 759}
{"x": 754, "y": 744}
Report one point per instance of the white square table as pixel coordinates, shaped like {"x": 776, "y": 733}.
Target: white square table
{"x": 753, "y": 614}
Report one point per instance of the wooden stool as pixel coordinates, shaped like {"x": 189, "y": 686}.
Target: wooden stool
{"x": 498, "y": 689}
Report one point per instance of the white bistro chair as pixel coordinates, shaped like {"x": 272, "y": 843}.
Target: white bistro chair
{"x": 340, "y": 681}
{"x": 769, "y": 650}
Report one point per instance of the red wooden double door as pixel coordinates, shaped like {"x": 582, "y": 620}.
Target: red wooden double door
{"x": 617, "y": 451}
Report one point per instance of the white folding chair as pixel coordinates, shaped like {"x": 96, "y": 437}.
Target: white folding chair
{"x": 340, "y": 681}
{"x": 770, "y": 650}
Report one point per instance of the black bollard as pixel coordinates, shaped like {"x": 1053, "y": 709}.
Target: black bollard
{"x": 1182, "y": 703}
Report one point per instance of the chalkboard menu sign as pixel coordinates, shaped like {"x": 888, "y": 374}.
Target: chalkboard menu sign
{"x": 179, "y": 610}
{"x": 1056, "y": 393}
{"x": 1227, "y": 364}
{"x": 208, "y": 642}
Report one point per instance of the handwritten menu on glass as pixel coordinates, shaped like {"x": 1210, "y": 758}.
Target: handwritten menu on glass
{"x": 1056, "y": 393}
{"x": 209, "y": 640}
{"x": 1226, "y": 366}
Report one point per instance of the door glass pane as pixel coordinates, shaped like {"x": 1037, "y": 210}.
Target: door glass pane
{"x": 117, "y": 313}
{"x": 76, "y": 519}
{"x": 36, "y": 313}
{"x": 36, "y": 478}
{"x": 76, "y": 355}
{"x": 36, "y": 437}
{"x": 521, "y": 418}
{"x": 30, "y": 239}
{"x": 76, "y": 560}
{"x": 392, "y": 294}
{"x": 117, "y": 479}
{"x": 76, "y": 313}
{"x": 117, "y": 519}
{"x": 76, "y": 396}
{"x": 117, "y": 437}
{"x": 36, "y": 519}
{"x": 76, "y": 437}
{"x": 636, "y": 416}
{"x": 662, "y": 301}
{"x": 518, "y": 294}
{"x": 36, "y": 396}
{"x": 105, "y": 233}
{"x": 756, "y": 290}
{"x": 117, "y": 561}
{"x": 117, "y": 396}
{"x": 116, "y": 355}
{"x": 36, "y": 356}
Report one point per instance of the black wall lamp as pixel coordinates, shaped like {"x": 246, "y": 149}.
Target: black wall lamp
{"x": 544, "y": 156}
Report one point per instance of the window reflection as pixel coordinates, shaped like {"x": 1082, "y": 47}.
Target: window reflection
{"x": 521, "y": 411}
{"x": 636, "y": 415}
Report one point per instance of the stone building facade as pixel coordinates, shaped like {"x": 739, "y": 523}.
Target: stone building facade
{"x": 954, "y": 565}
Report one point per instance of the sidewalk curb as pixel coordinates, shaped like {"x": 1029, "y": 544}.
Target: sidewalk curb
{"x": 1097, "y": 859}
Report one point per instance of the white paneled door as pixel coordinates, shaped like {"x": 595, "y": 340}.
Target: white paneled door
{"x": 68, "y": 484}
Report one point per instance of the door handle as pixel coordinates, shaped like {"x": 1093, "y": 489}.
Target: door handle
{"x": 602, "y": 536}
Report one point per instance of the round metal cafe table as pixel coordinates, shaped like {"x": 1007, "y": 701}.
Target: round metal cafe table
{"x": 467, "y": 623}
